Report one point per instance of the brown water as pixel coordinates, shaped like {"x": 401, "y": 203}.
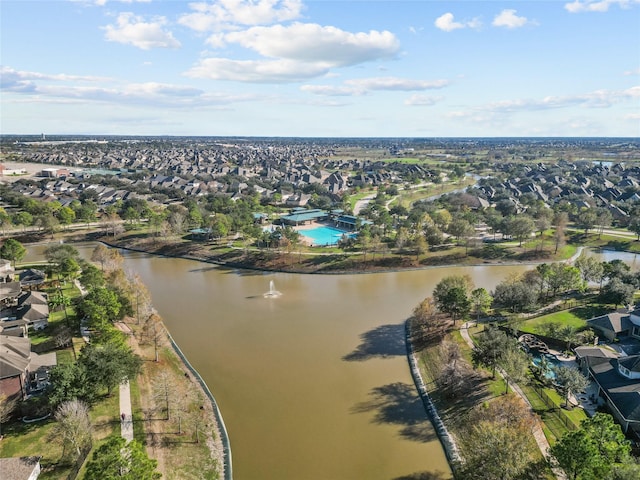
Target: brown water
{"x": 313, "y": 384}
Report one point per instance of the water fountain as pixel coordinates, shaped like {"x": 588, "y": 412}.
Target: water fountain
{"x": 272, "y": 293}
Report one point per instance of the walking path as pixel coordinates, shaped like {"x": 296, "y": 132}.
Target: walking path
{"x": 538, "y": 434}
{"x": 126, "y": 417}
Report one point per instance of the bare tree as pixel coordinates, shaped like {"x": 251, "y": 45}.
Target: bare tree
{"x": 74, "y": 425}
{"x": 63, "y": 338}
{"x": 153, "y": 332}
{"x": 164, "y": 395}
{"x": 100, "y": 255}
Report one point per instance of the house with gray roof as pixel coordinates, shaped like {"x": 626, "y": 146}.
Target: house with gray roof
{"x": 21, "y": 370}
{"x": 20, "y": 468}
{"x": 615, "y": 324}
{"x": 618, "y": 381}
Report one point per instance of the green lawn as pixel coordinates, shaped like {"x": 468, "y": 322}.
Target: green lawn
{"x": 37, "y": 439}
{"x": 576, "y": 317}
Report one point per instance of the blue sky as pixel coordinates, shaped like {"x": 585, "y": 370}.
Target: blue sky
{"x": 321, "y": 68}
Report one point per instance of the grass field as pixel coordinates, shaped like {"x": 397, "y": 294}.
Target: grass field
{"x": 576, "y": 318}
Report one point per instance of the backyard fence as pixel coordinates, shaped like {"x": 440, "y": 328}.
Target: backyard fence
{"x": 84, "y": 453}
{"x": 552, "y": 405}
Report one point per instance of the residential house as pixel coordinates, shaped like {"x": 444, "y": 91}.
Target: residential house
{"x": 618, "y": 381}
{"x": 22, "y": 371}
{"x": 616, "y": 324}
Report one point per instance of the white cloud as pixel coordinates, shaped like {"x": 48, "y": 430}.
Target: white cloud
{"x": 133, "y": 30}
{"x": 332, "y": 91}
{"x": 578, "y": 6}
{"x": 595, "y": 99}
{"x": 228, "y": 14}
{"x": 41, "y": 88}
{"x": 507, "y": 18}
{"x": 102, "y": 3}
{"x": 632, "y": 72}
{"x": 310, "y": 42}
{"x": 363, "y": 86}
{"x": 394, "y": 83}
{"x": 294, "y": 53}
{"x": 418, "y": 100}
{"x": 257, "y": 71}
{"x": 448, "y": 24}
{"x": 22, "y": 81}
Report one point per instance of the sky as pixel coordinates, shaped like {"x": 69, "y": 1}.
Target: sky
{"x": 321, "y": 68}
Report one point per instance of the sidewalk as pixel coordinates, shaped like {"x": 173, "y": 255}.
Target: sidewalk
{"x": 126, "y": 417}
{"x": 538, "y": 434}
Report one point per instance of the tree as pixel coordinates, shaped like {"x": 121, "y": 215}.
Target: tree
{"x": 48, "y": 223}
{"x": 58, "y": 253}
{"x": 590, "y": 268}
{"x": 586, "y": 219}
{"x": 69, "y": 268}
{"x": 455, "y": 372}
{"x": 7, "y": 406}
{"x": 603, "y": 220}
{"x": 91, "y": 276}
{"x": 570, "y": 381}
{"x": 634, "y": 226}
{"x": 617, "y": 292}
{"x": 421, "y": 245}
{"x": 66, "y": 216}
{"x": 12, "y": 250}
{"x": 152, "y": 330}
{"x": 521, "y": 227}
{"x": 491, "y": 346}
{"x": 592, "y": 451}
{"x": 451, "y": 295}
{"x": 515, "y": 295}
{"x": 560, "y": 221}
{"x": 460, "y": 228}
{"x": 25, "y": 219}
{"x": 497, "y": 441}
{"x": 426, "y": 316}
{"x": 164, "y": 390}
{"x": 575, "y": 454}
{"x": 74, "y": 426}
{"x": 608, "y": 436}
{"x": 101, "y": 306}
{"x": 561, "y": 278}
{"x": 480, "y": 301}
{"x": 117, "y": 459}
{"x": 141, "y": 298}
{"x": 101, "y": 255}
{"x": 87, "y": 212}
{"x": 515, "y": 364}
{"x": 5, "y": 220}
{"x": 69, "y": 381}
{"x": 220, "y": 226}
{"x": 110, "y": 364}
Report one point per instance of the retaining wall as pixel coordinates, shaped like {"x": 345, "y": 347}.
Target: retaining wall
{"x": 449, "y": 445}
{"x": 228, "y": 466}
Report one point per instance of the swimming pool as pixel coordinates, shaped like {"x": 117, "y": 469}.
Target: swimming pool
{"x": 323, "y": 236}
{"x": 552, "y": 364}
